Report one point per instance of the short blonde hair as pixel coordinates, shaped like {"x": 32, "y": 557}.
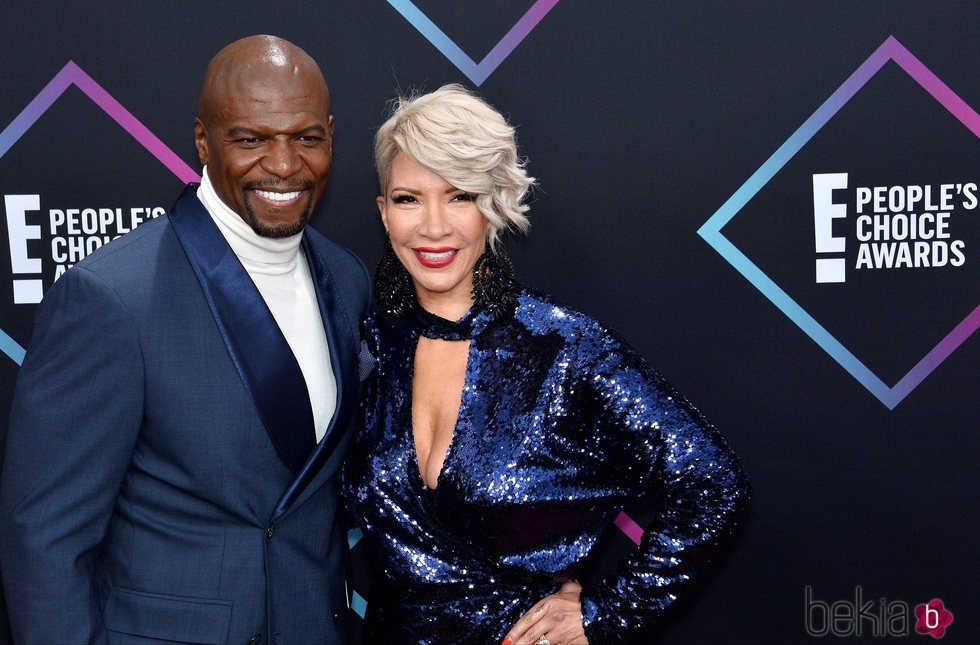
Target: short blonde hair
{"x": 458, "y": 136}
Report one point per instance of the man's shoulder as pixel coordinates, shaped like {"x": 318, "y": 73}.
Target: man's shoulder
{"x": 133, "y": 249}
{"x": 143, "y": 245}
{"x": 140, "y": 267}
{"x": 332, "y": 251}
{"x": 338, "y": 258}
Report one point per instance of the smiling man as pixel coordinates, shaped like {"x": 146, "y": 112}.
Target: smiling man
{"x": 264, "y": 132}
{"x": 184, "y": 406}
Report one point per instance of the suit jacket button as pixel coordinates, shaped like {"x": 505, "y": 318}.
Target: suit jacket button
{"x": 255, "y": 640}
{"x": 269, "y": 532}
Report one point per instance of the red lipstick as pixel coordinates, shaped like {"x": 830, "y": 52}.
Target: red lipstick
{"x": 435, "y": 257}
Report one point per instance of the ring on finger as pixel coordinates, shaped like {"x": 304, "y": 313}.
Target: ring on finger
{"x": 543, "y": 640}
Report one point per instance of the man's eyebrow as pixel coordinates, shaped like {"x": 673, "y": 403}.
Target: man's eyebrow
{"x": 237, "y": 131}
{"x": 317, "y": 129}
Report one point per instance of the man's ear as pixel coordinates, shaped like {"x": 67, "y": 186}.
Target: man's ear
{"x": 201, "y": 141}
{"x": 329, "y": 137}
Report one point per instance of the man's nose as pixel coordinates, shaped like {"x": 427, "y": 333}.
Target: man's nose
{"x": 282, "y": 159}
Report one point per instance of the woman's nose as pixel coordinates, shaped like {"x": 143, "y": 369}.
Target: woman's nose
{"x": 435, "y": 221}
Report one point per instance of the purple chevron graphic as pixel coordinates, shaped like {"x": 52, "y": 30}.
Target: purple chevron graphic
{"x": 476, "y": 72}
{"x": 72, "y": 74}
{"x": 890, "y": 50}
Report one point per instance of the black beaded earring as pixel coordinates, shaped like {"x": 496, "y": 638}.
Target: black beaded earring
{"x": 394, "y": 292}
{"x": 494, "y": 284}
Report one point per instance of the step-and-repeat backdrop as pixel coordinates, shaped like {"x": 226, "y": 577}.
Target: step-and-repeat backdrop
{"x": 775, "y": 202}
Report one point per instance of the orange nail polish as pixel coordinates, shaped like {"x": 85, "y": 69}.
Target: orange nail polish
{"x": 507, "y": 641}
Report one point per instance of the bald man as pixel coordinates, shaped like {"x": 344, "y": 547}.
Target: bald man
{"x": 185, "y": 403}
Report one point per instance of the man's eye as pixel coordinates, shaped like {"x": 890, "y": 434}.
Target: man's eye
{"x": 250, "y": 141}
{"x": 310, "y": 139}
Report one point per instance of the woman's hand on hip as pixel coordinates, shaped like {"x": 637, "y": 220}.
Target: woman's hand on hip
{"x": 558, "y": 618}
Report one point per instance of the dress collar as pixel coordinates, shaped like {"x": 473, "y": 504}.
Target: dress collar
{"x": 474, "y": 321}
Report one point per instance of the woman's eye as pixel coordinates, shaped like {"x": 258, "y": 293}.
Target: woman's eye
{"x": 464, "y": 197}
{"x": 403, "y": 199}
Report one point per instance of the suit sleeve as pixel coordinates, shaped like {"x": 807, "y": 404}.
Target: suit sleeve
{"x": 76, "y": 414}
{"x": 660, "y": 442}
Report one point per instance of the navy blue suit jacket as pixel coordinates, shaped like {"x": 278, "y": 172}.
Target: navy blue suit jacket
{"x": 155, "y": 488}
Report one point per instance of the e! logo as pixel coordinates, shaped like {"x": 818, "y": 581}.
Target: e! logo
{"x": 26, "y": 292}
{"x": 825, "y": 211}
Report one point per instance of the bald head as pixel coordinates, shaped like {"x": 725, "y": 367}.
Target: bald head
{"x": 264, "y": 131}
{"x": 255, "y": 62}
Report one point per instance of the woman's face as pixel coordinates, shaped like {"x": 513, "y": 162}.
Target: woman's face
{"x": 437, "y": 232}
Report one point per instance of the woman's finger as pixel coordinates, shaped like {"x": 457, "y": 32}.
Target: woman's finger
{"x": 526, "y": 622}
{"x": 558, "y": 617}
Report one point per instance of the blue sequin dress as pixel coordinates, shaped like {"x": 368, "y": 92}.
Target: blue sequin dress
{"x": 561, "y": 426}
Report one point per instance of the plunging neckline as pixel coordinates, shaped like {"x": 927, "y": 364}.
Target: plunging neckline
{"x": 459, "y": 413}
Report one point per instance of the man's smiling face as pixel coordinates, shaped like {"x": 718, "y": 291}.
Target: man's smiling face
{"x": 265, "y": 133}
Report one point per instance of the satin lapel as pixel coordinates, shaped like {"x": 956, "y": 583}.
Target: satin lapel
{"x": 339, "y": 329}
{"x": 257, "y": 347}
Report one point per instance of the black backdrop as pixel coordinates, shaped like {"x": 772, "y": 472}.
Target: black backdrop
{"x": 641, "y": 120}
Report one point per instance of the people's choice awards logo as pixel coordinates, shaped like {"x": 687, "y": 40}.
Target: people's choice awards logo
{"x": 75, "y": 232}
{"x": 891, "y": 220}
{"x": 47, "y": 234}
{"x": 476, "y": 72}
{"x": 895, "y": 226}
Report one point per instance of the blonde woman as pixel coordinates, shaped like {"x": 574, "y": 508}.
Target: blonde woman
{"x": 502, "y": 432}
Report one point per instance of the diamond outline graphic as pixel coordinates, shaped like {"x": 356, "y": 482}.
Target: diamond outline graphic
{"x": 72, "y": 74}
{"x": 476, "y": 72}
{"x": 890, "y": 50}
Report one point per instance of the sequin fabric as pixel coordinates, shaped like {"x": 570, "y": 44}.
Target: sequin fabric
{"x": 561, "y": 426}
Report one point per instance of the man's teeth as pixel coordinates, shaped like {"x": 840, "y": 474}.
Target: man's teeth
{"x": 277, "y": 197}
{"x": 437, "y": 256}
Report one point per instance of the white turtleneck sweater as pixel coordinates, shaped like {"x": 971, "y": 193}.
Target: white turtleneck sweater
{"x": 282, "y": 276}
